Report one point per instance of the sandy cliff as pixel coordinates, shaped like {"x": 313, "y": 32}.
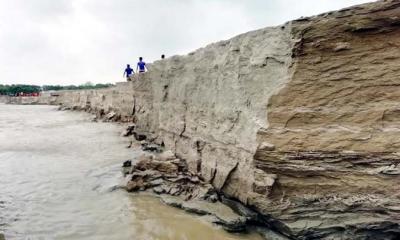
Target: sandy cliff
{"x": 300, "y": 121}
{"x": 335, "y": 125}
{"x": 4, "y": 99}
{"x": 45, "y": 98}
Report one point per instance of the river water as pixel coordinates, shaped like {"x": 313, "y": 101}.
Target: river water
{"x": 57, "y": 175}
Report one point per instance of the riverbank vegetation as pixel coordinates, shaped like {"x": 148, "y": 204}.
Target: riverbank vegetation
{"x": 15, "y": 89}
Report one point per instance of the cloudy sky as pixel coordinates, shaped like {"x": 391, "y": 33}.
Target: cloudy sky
{"x": 75, "y": 41}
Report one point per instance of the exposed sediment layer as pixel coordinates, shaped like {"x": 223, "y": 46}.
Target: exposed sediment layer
{"x": 299, "y": 122}
{"x": 45, "y": 98}
{"x": 4, "y": 99}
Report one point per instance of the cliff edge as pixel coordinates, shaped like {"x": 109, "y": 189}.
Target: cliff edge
{"x": 300, "y": 121}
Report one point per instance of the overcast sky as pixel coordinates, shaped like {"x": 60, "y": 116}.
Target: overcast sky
{"x": 75, "y": 41}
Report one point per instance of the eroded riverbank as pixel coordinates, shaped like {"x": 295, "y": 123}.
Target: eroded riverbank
{"x": 57, "y": 173}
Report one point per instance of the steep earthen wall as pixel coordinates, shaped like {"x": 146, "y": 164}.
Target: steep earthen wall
{"x": 335, "y": 125}
{"x": 299, "y": 121}
{"x": 206, "y": 106}
{"x": 45, "y": 98}
{"x": 117, "y": 99}
{"x": 4, "y": 99}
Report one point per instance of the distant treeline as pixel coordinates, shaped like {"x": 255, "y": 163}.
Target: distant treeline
{"x": 18, "y": 88}
{"x": 87, "y": 85}
{"x": 15, "y": 89}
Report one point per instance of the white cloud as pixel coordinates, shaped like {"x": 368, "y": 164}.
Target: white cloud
{"x": 74, "y": 41}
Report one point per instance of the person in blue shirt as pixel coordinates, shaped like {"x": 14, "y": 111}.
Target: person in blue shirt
{"x": 141, "y": 66}
{"x": 128, "y": 72}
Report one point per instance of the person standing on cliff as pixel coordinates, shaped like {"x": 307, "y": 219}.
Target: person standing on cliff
{"x": 128, "y": 72}
{"x": 141, "y": 66}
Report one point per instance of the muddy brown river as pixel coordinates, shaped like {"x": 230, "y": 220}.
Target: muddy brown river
{"x": 57, "y": 175}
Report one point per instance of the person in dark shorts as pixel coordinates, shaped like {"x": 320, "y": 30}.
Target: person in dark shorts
{"x": 141, "y": 66}
{"x": 128, "y": 72}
